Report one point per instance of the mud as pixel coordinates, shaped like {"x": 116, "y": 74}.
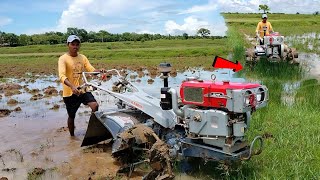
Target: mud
{"x": 12, "y": 92}
{"x": 9, "y": 87}
{"x": 50, "y": 91}
{"x": 36, "y": 97}
{"x": 4, "y": 112}
{"x": 157, "y": 152}
{"x": 12, "y": 102}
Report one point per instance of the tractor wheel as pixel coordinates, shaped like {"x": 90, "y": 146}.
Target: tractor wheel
{"x": 135, "y": 144}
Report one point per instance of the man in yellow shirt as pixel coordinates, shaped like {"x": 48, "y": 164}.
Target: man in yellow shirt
{"x": 263, "y": 28}
{"x": 70, "y": 66}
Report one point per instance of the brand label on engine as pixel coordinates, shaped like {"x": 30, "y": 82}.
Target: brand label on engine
{"x": 215, "y": 95}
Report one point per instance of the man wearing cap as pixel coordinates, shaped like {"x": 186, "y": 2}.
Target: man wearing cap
{"x": 70, "y": 66}
{"x": 263, "y": 28}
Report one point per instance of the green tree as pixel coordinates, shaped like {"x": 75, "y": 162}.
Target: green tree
{"x": 11, "y": 39}
{"x": 203, "y": 32}
{"x": 264, "y": 7}
{"x": 24, "y": 40}
{"x": 82, "y": 33}
{"x": 185, "y": 35}
{"x": 103, "y": 35}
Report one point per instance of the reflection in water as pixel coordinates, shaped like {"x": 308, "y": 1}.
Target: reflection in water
{"x": 289, "y": 92}
{"x": 309, "y": 40}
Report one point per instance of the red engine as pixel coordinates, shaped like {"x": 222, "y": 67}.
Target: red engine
{"x": 236, "y": 97}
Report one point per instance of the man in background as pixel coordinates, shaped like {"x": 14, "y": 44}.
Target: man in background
{"x": 263, "y": 28}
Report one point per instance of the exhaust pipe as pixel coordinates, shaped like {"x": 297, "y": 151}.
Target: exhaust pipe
{"x": 169, "y": 97}
{"x": 174, "y": 102}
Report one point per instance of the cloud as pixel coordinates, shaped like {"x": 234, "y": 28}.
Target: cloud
{"x": 140, "y": 16}
{"x": 211, "y": 6}
{"x": 191, "y": 25}
{"x": 5, "y": 21}
{"x": 85, "y": 13}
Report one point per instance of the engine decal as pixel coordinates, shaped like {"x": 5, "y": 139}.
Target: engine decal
{"x": 216, "y": 95}
{"x": 137, "y": 104}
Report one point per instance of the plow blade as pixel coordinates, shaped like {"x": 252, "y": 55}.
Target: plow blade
{"x": 102, "y": 127}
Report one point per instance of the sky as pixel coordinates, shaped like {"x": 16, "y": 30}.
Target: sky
{"x": 173, "y": 17}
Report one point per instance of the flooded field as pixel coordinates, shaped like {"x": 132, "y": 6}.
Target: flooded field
{"x": 34, "y": 134}
{"x": 35, "y": 138}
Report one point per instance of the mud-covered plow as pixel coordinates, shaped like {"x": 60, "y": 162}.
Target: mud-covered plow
{"x": 207, "y": 119}
{"x": 273, "y": 48}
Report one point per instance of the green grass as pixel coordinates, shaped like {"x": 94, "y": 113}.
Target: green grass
{"x": 287, "y": 24}
{"x": 181, "y": 53}
{"x": 292, "y": 149}
{"x": 161, "y": 44}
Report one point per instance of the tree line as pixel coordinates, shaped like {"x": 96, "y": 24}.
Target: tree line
{"x": 11, "y": 39}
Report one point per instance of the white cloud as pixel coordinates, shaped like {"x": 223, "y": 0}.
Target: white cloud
{"x": 145, "y": 31}
{"x": 88, "y": 14}
{"x": 211, "y": 6}
{"x": 191, "y": 26}
{"x": 5, "y": 21}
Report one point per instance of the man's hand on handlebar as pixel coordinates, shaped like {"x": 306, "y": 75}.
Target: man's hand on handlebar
{"x": 102, "y": 70}
{"x": 75, "y": 90}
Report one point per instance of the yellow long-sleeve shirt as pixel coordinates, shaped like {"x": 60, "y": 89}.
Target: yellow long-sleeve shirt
{"x": 261, "y": 26}
{"x": 71, "y": 67}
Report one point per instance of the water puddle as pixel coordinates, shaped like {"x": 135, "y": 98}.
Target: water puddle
{"x": 311, "y": 62}
{"x": 289, "y": 92}
{"x": 310, "y": 40}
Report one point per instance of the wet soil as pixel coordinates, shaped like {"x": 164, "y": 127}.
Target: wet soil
{"x": 4, "y": 112}
{"x": 35, "y": 142}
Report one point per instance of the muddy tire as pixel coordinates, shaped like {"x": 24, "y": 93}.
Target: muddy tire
{"x": 136, "y": 143}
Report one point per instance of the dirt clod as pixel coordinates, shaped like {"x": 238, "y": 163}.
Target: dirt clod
{"x": 34, "y": 91}
{"x": 17, "y": 109}
{"x": 150, "y": 81}
{"x": 9, "y": 86}
{"x": 12, "y": 102}
{"x": 51, "y": 91}
{"x": 37, "y": 172}
{"x": 56, "y": 106}
{"x": 12, "y": 92}
{"x": 62, "y": 129}
{"x": 36, "y": 97}
{"x": 4, "y": 112}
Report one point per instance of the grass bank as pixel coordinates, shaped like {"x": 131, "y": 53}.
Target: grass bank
{"x": 290, "y": 124}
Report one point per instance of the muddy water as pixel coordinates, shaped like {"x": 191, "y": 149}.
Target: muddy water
{"x": 37, "y": 137}
{"x": 312, "y": 64}
{"x": 35, "y": 141}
